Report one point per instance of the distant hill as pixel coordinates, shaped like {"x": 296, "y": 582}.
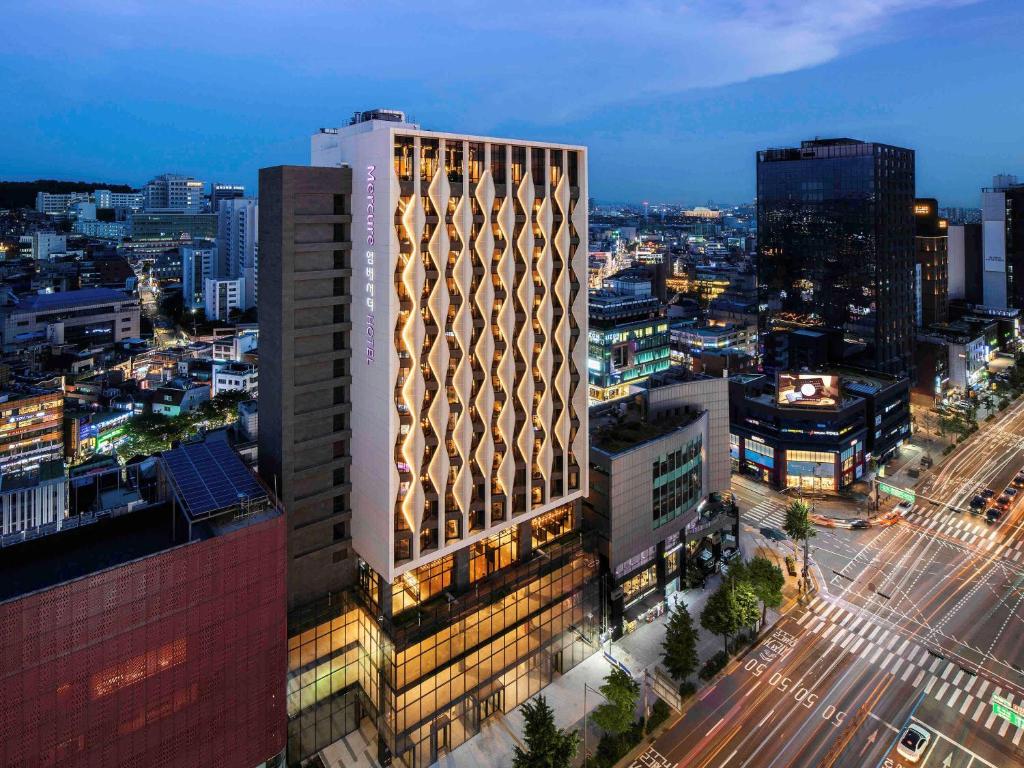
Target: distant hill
{"x": 22, "y": 194}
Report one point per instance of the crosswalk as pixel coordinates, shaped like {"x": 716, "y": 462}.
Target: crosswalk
{"x": 967, "y": 528}
{"x": 945, "y": 681}
{"x": 767, "y": 512}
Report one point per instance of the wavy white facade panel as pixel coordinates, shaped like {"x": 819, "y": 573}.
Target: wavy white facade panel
{"x": 525, "y": 340}
{"x": 413, "y": 334}
{"x": 484, "y": 247}
{"x": 507, "y": 366}
{"x": 579, "y": 353}
{"x": 562, "y": 330}
{"x": 463, "y": 383}
{"x": 440, "y": 191}
{"x": 545, "y": 314}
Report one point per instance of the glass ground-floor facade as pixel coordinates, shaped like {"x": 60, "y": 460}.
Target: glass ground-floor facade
{"x": 812, "y": 467}
{"x": 642, "y": 588}
{"x": 429, "y": 675}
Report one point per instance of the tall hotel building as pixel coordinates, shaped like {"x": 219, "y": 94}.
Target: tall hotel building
{"x": 428, "y": 318}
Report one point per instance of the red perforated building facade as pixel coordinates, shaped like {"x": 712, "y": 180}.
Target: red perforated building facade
{"x": 120, "y": 647}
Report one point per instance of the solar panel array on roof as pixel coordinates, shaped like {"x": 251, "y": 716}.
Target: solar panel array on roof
{"x": 210, "y": 476}
{"x": 859, "y": 387}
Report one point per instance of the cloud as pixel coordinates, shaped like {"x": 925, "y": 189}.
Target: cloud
{"x": 556, "y": 59}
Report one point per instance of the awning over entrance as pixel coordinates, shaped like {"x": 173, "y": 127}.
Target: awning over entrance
{"x": 643, "y": 605}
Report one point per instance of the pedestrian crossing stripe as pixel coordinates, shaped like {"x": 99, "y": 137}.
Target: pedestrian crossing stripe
{"x": 968, "y": 530}
{"x": 946, "y": 682}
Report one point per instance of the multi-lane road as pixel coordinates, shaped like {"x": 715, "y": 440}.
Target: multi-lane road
{"x": 922, "y": 621}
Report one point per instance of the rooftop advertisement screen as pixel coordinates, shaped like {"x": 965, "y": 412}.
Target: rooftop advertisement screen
{"x": 808, "y": 390}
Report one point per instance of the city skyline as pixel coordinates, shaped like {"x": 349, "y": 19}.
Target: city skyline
{"x": 685, "y": 129}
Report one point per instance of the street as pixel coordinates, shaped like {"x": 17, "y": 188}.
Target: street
{"x": 917, "y": 622}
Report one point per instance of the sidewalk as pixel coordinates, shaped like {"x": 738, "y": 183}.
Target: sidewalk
{"x": 638, "y": 651}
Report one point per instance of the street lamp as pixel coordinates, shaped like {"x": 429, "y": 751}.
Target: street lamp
{"x": 587, "y": 687}
{"x": 194, "y": 310}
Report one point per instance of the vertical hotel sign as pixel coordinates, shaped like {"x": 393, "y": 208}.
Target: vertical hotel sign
{"x": 369, "y": 263}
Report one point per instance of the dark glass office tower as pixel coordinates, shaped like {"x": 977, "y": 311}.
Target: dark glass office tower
{"x": 836, "y": 245}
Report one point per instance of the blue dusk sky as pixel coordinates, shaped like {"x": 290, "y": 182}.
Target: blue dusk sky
{"x": 672, "y": 97}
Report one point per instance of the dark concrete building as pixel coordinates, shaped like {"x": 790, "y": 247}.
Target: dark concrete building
{"x": 305, "y": 352}
{"x": 931, "y": 252}
{"x": 836, "y": 243}
{"x": 965, "y": 263}
{"x": 821, "y": 441}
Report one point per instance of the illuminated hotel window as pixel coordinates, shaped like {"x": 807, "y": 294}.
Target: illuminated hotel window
{"x": 419, "y": 585}
{"x": 551, "y": 525}
{"x": 518, "y": 163}
{"x": 404, "y": 150}
{"x": 428, "y": 159}
{"x": 498, "y": 163}
{"x": 476, "y": 161}
{"x": 493, "y": 553}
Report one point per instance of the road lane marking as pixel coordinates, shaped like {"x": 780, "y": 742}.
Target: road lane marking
{"x": 763, "y": 719}
{"x": 954, "y": 742}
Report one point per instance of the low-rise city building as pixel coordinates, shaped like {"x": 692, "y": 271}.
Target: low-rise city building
{"x": 658, "y": 479}
{"x": 31, "y": 428}
{"x": 241, "y": 377}
{"x": 88, "y": 316}
{"x": 628, "y": 341}
{"x": 33, "y": 497}
{"x": 179, "y": 397}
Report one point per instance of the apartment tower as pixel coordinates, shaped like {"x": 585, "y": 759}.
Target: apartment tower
{"x": 469, "y": 444}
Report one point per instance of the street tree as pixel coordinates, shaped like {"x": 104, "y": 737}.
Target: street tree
{"x": 731, "y": 608}
{"x": 766, "y": 581}
{"x": 618, "y": 711}
{"x": 680, "y": 644}
{"x": 546, "y": 745}
{"x": 799, "y": 528}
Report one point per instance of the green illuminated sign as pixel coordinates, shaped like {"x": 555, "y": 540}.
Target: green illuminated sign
{"x": 903, "y": 494}
{"x": 1007, "y": 711}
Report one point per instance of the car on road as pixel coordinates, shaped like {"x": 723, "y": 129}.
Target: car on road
{"x": 1019, "y": 479}
{"x": 858, "y": 524}
{"x": 993, "y": 515}
{"x": 978, "y": 504}
{"x": 913, "y": 742}
{"x": 1003, "y": 502}
{"x": 988, "y": 493}
{"x": 1010, "y": 491}
{"x": 904, "y": 507}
